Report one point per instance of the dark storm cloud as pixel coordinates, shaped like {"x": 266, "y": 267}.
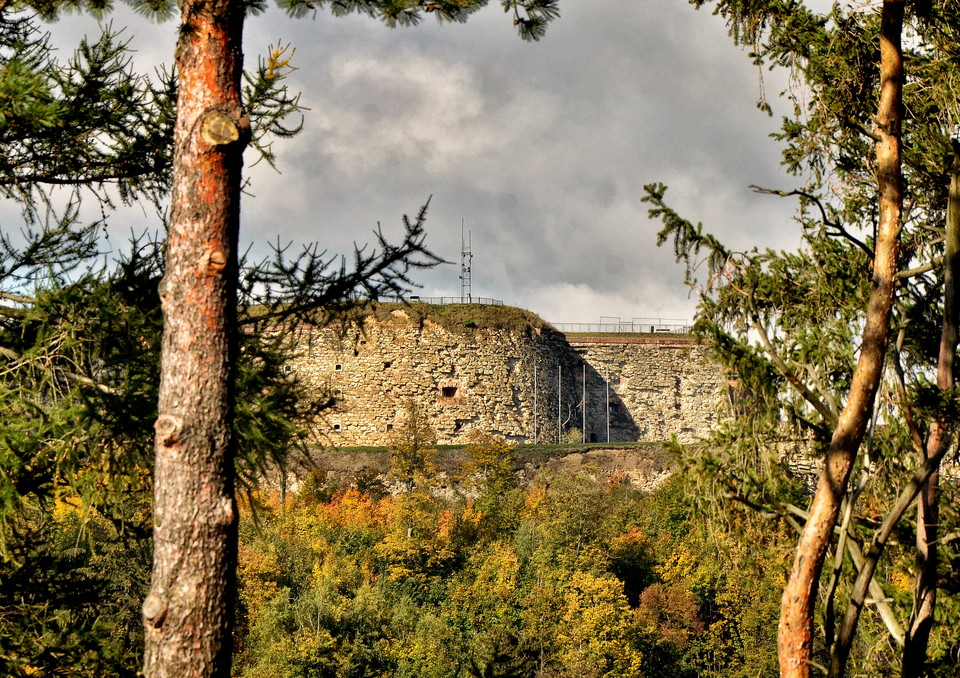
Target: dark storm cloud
{"x": 541, "y": 149}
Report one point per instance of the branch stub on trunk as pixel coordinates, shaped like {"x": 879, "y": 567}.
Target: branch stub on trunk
{"x": 168, "y": 429}
{"x": 154, "y": 610}
{"x": 218, "y": 129}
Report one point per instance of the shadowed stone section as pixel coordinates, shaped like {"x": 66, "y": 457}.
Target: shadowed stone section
{"x": 656, "y": 390}
{"x": 504, "y": 381}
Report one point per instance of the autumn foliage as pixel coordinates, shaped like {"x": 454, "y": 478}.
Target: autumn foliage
{"x": 571, "y": 575}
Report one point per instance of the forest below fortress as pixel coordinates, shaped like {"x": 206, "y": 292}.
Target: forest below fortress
{"x": 172, "y": 499}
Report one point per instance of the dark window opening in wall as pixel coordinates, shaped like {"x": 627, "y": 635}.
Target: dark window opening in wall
{"x": 448, "y": 391}
{"x": 338, "y": 368}
{"x": 614, "y": 408}
{"x": 356, "y": 352}
{"x": 593, "y": 437}
{"x": 336, "y": 427}
{"x": 389, "y": 427}
{"x": 386, "y": 364}
{"x": 287, "y": 369}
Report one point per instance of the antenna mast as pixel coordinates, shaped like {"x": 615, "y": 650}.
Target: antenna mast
{"x": 466, "y": 263}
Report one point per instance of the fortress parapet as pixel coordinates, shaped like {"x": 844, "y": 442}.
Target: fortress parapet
{"x": 504, "y": 371}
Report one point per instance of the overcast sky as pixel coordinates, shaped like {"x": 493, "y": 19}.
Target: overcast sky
{"x": 542, "y": 149}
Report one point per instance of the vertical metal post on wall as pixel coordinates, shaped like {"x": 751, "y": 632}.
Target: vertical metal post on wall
{"x": 608, "y": 403}
{"x": 559, "y": 389}
{"x": 534, "y": 403}
{"x": 583, "y": 405}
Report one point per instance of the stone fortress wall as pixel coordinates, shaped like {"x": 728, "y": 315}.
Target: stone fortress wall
{"x": 656, "y": 388}
{"x": 510, "y": 379}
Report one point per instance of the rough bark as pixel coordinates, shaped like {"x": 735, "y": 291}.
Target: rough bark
{"x": 928, "y": 511}
{"x": 795, "y": 635}
{"x": 187, "y": 614}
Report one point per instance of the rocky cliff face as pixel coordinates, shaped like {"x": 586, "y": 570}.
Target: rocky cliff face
{"x": 521, "y": 381}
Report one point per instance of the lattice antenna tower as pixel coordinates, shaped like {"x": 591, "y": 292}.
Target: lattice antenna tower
{"x": 466, "y": 265}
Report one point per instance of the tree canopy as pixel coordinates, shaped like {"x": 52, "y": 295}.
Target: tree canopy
{"x": 797, "y": 326}
{"x": 187, "y": 613}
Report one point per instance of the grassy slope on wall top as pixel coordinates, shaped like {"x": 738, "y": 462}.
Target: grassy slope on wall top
{"x": 463, "y": 318}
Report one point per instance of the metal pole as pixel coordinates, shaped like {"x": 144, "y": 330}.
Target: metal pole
{"x": 608, "y": 403}
{"x": 583, "y": 406}
{"x": 559, "y": 389}
{"x": 534, "y": 403}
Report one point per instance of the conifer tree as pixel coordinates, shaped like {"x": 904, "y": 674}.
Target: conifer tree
{"x": 820, "y": 314}
{"x": 187, "y": 613}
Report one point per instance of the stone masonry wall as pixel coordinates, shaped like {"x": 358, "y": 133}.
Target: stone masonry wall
{"x": 650, "y": 390}
{"x": 503, "y": 382}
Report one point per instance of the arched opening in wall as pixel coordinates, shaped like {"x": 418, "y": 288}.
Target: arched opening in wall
{"x": 593, "y": 437}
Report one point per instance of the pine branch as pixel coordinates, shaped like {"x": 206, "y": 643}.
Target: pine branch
{"x": 838, "y": 229}
{"x": 298, "y": 289}
{"x": 829, "y": 415}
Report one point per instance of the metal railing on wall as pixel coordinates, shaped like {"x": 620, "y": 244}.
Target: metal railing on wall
{"x": 439, "y": 301}
{"x": 633, "y": 326}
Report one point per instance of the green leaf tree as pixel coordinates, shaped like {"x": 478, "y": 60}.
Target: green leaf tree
{"x": 413, "y": 452}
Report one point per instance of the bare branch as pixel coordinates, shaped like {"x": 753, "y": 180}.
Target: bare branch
{"x": 921, "y": 269}
{"x": 839, "y": 230}
{"x": 18, "y": 298}
{"x": 829, "y": 415}
{"x": 841, "y": 648}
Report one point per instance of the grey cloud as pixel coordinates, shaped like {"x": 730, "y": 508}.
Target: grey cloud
{"x": 542, "y": 149}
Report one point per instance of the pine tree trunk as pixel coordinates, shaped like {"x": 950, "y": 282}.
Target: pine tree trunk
{"x": 928, "y": 509}
{"x": 795, "y": 636}
{"x": 187, "y": 614}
